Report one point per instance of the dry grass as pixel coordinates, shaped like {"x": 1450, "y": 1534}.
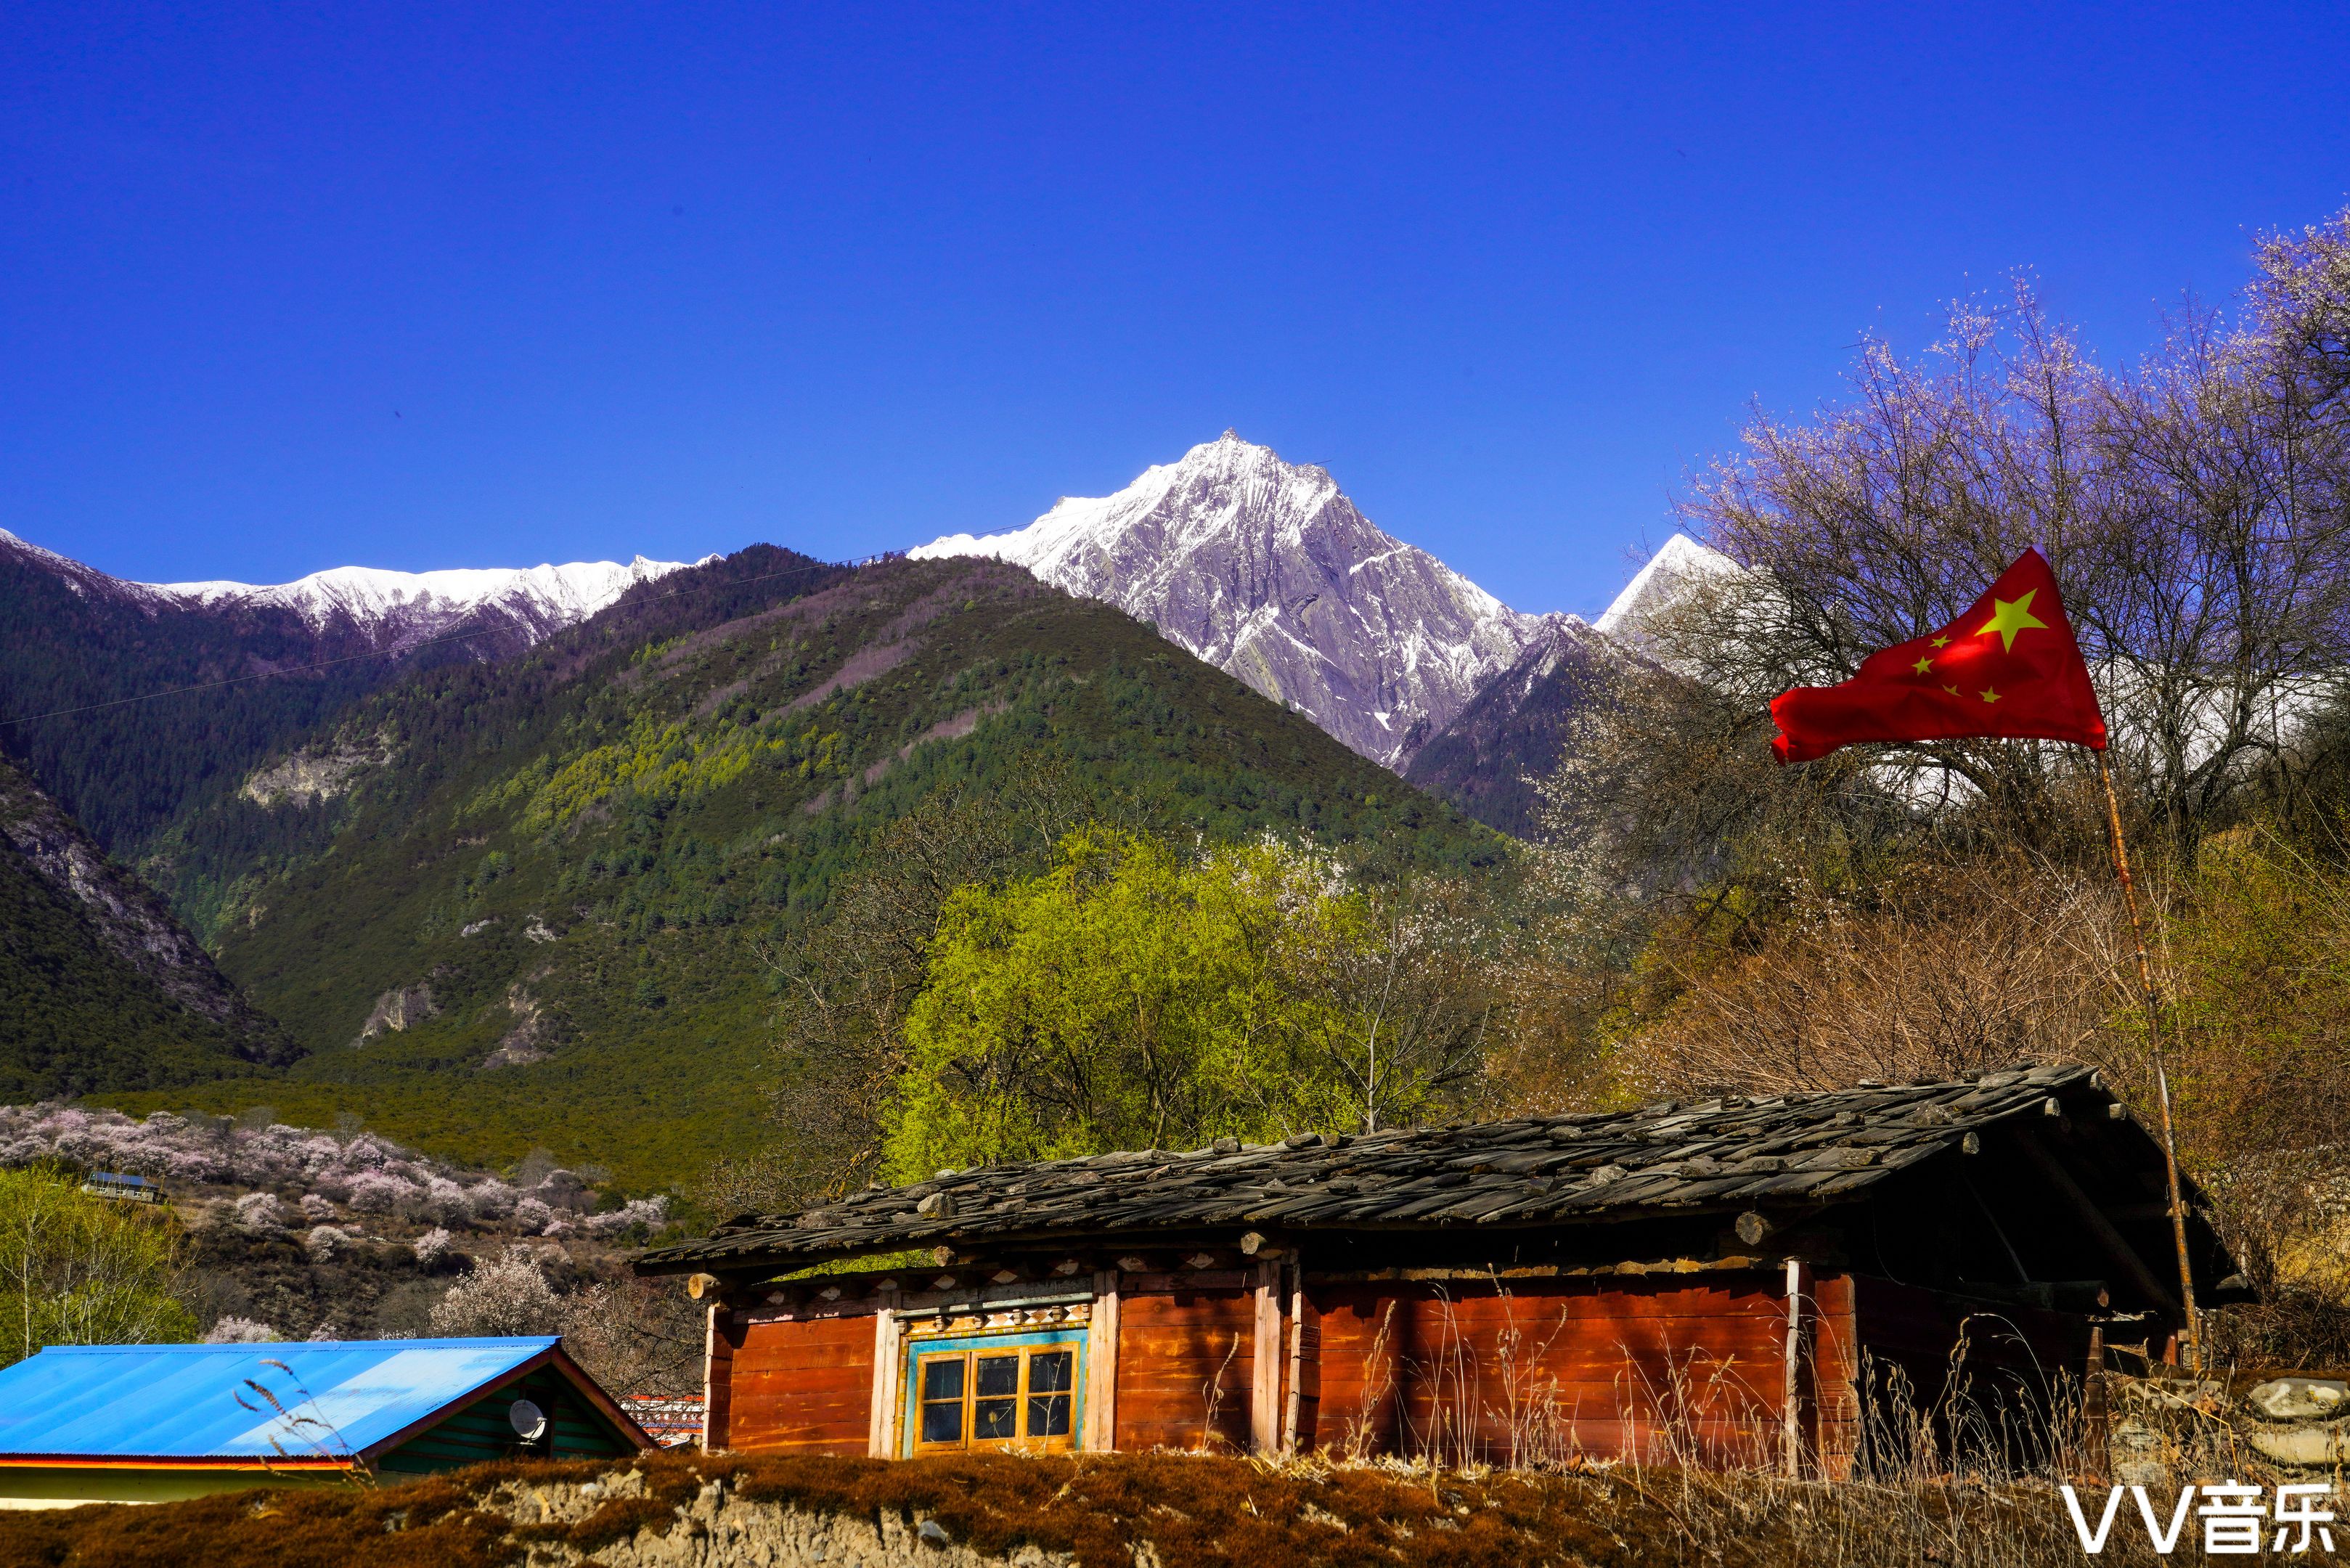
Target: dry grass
{"x": 1190, "y": 1509}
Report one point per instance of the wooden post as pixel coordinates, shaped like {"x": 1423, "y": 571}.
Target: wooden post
{"x": 889, "y": 1377}
{"x": 2162, "y": 1077}
{"x": 1099, "y": 1433}
{"x": 717, "y": 1378}
{"x": 1289, "y": 1412}
{"x": 1791, "y": 1388}
{"x": 1265, "y": 1380}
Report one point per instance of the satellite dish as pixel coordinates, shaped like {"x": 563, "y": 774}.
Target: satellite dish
{"x": 529, "y": 1421}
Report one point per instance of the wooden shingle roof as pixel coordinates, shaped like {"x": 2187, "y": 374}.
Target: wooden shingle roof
{"x": 1788, "y": 1150}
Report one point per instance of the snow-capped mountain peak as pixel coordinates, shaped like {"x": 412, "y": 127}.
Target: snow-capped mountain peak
{"x": 545, "y": 597}
{"x": 518, "y": 606}
{"x": 1678, "y": 564}
{"x": 1267, "y": 570}
{"x": 512, "y": 606}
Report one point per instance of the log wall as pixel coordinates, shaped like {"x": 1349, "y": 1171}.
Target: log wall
{"x": 1466, "y": 1371}
{"x": 1186, "y": 1364}
{"x": 797, "y": 1386}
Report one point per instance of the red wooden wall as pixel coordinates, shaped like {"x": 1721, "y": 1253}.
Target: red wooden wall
{"x": 1179, "y": 1352}
{"x": 1467, "y": 1371}
{"x": 1664, "y": 1368}
{"x": 795, "y": 1387}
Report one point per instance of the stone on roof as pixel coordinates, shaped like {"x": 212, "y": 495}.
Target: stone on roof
{"x": 1670, "y": 1156}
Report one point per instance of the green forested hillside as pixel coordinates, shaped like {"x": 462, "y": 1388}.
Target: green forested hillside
{"x": 85, "y": 655}
{"x": 100, "y": 987}
{"x": 550, "y": 918}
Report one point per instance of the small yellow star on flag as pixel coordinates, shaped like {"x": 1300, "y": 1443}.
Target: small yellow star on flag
{"x": 1952, "y": 689}
{"x": 1941, "y": 642}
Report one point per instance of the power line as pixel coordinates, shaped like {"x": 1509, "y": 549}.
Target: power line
{"x": 428, "y": 642}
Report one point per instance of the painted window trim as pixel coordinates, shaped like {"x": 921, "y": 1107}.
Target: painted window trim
{"x": 912, "y": 1351}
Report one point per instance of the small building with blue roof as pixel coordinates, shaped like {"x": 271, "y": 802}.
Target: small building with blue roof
{"x": 151, "y": 1423}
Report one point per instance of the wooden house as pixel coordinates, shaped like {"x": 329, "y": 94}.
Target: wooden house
{"x": 152, "y": 1423}
{"x": 1733, "y": 1280}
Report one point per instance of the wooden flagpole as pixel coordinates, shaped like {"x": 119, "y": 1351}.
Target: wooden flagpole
{"x": 2161, "y": 1078}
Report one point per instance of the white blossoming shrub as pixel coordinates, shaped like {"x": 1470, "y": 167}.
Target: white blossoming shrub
{"x": 431, "y": 1246}
{"x": 381, "y": 1191}
{"x": 649, "y": 1212}
{"x": 317, "y": 1173}
{"x": 240, "y": 1331}
{"x": 260, "y": 1211}
{"x": 444, "y": 1201}
{"x": 504, "y": 1295}
{"x": 492, "y": 1200}
{"x": 322, "y": 1241}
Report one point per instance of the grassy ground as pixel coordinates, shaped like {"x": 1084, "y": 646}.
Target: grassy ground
{"x": 1097, "y": 1510}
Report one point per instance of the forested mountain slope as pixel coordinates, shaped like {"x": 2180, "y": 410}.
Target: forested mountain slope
{"x": 84, "y": 655}
{"x": 541, "y": 909}
{"x": 100, "y": 988}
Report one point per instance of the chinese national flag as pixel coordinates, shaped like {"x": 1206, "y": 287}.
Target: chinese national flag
{"x": 2008, "y": 667}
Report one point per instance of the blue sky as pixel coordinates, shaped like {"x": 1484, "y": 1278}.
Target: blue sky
{"x": 413, "y": 285}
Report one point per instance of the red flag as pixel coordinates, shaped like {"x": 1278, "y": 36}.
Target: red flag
{"x": 2008, "y": 667}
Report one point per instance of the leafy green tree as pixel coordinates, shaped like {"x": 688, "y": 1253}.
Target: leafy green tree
{"x": 1123, "y": 999}
{"x": 77, "y": 1269}
{"x": 1133, "y": 997}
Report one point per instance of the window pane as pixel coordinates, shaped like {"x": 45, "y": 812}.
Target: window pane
{"x": 1048, "y": 1416}
{"x": 994, "y": 1419}
{"x": 942, "y": 1423}
{"x": 942, "y": 1378}
{"x": 1049, "y": 1371}
{"x": 999, "y": 1375}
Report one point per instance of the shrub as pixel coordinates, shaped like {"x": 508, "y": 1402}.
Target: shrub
{"x": 506, "y": 1295}
{"x": 260, "y": 1211}
{"x": 77, "y": 1269}
{"x": 240, "y": 1331}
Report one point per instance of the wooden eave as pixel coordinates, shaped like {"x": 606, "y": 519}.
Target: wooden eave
{"x": 1668, "y": 1160}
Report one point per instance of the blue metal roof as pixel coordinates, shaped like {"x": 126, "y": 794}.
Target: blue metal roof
{"x": 181, "y": 1401}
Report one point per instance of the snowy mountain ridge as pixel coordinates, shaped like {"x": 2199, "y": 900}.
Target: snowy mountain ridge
{"x": 413, "y": 605}
{"x": 1265, "y": 569}
{"x": 392, "y": 611}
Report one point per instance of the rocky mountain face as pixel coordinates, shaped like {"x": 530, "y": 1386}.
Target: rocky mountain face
{"x": 1680, "y": 566}
{"x": 1265, "y": 569}
{"x": 1516, "y": 727}
{"x": 100, "y": 986}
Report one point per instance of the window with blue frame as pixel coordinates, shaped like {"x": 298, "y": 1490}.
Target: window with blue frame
{"x": 994, "y": 1392}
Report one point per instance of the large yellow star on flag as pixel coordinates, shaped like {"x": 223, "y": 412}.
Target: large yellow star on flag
{"x": 2008, "y": 616}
